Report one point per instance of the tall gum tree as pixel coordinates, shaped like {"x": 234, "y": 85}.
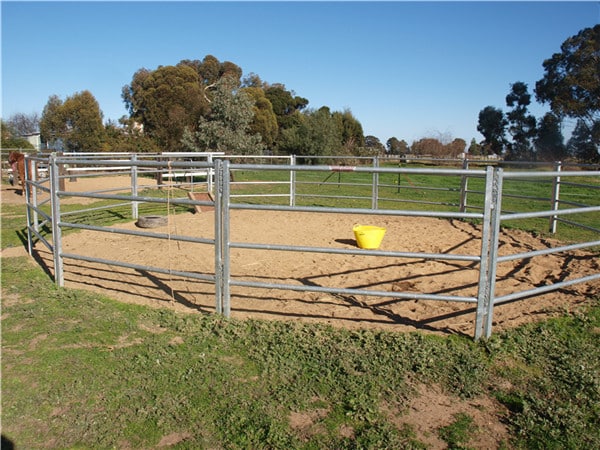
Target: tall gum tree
{"x": 571, "y": 82}
{"x": 76, "y": 124}
{"x": 227, "y": 127}
{"x": 549, "y": 141}
{"x": 521, "y": 124}
{"x": 171, "y": 99}
{"x": 492, "y": 125}
{"x": 264, "y": 121}
{"x": 166, "y": 101}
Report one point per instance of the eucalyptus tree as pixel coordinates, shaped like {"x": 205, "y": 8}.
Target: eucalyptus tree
{"x": 492, "y": 125}
{"x": 351, "y": 131}
{"x": 521, "y": 124}
{"x": 286, "y": 105}
{"x": 75, "y": 123}
{"x": 571, "y": 82}
{"x": 396, "y": 147}
{"x": 170, "y": 99}
{"x": 227, "y": 127}
{"x": 374, "y": 145}
{"x": 549, "y": 141}
{"x": 254, "y": 80}
{"x": 165, "y": 102}
{"x": 582, "y": 146}
{"x": 210, "y": 70}
{"x": 315, "y": 134}
{"x": 264, "y": 121}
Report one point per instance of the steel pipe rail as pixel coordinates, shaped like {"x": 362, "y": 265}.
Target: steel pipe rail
{"x": 547, "y": 251}
{"x": 535, "y": 214}
{"x": 340, "y": 251}
{"x": 544, "y": 289}
{"x": 365, "y": 292}
{"x": 141, "y": 267}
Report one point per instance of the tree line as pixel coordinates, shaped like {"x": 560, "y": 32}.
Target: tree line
{"x": 206, "y": 105}
{"x": 571, "y": 86}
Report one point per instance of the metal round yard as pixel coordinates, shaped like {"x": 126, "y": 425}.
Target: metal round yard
{"x": 442, "y": 261}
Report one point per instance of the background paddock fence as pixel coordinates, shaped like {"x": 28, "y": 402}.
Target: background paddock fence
{"x": 372, "y": 187}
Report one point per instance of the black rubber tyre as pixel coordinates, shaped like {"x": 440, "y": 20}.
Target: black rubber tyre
{"x": 151, "y": 221}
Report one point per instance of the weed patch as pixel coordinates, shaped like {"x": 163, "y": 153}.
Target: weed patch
{"x": 459, "y": 432}
{"x": 552, "y": 373}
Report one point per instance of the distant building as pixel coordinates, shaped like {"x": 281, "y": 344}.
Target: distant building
{"x": 34, "y": 139}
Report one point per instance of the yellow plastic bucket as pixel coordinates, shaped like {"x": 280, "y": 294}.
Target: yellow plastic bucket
{"x": 368, "y": 236}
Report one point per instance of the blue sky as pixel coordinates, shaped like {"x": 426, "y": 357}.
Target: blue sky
{"x": 405, "y": 69}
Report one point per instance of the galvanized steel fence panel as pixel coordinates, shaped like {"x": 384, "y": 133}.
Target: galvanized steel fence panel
{"x": 219, "y": 181}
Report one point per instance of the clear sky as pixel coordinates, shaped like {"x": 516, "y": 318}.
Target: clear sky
{"x": 405, "y": 69}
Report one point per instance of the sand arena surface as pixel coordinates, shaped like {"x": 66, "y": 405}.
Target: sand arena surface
{"x": 409, "y": 234}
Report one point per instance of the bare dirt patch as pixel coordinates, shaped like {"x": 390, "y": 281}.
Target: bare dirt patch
{"x": 306, "y": 423}
{"x": 173, "y": 439}
{"x": 432, "y": 409}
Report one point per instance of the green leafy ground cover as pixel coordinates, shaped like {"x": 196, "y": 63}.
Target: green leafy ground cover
{"x": 82, "y": 371}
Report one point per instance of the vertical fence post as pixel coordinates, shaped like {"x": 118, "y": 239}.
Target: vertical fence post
{"x": 159, "y": 174}
{"x": 463, "y": 187}
{"x": 218, "y": 199}
{"x": 225, "y": 225}
{"x": 134, "y": 186}
{"x": 62, "y": 172}
{"x": 555, "y": 197}
{"x": 31, "y": 173}
{"x": 222, "y": 225}
{"x": 55, "y": 183}
{"x": 375, "y": 189}
{"x": 483, "y": 291}
{"x": 292, "y": 181}
{"x": 210, "y": 173}
{"x": 28, "y": 205}
{"x": 493, "y": 248}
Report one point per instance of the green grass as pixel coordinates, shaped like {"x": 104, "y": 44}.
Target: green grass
{"x": 14, "y": 231}
{"x": 110, "y": 214}
{"x": 82, "y": 371}
{"x": 553, "y": 369}
{"x": 459, "y": 432}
